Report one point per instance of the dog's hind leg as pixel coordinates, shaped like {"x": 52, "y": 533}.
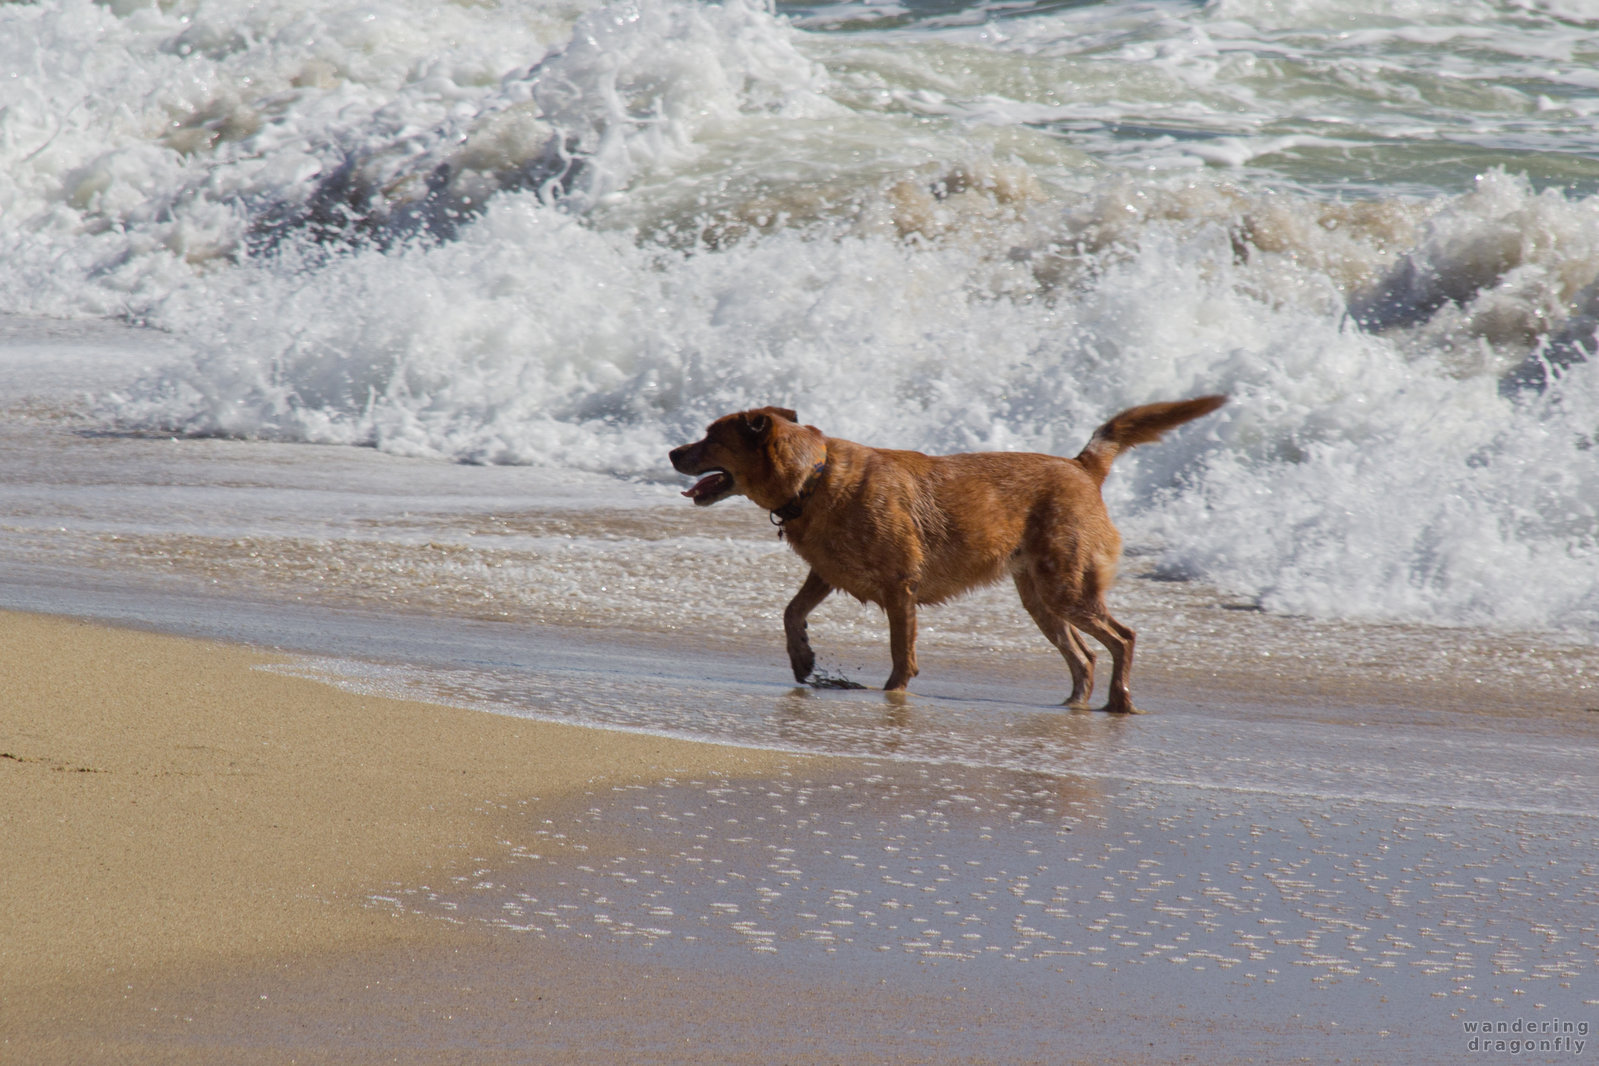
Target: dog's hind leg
{"x": 1119, "y": 639}
{"x": 800, "y": 655}
{"x": 1080, "y": 661}
{"x": 1059, "y": 632}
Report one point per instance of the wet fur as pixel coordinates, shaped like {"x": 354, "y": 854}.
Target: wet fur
{"x": 901, "y": 529}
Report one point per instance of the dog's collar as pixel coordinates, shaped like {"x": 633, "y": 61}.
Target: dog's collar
{"x": 785, "y": 514}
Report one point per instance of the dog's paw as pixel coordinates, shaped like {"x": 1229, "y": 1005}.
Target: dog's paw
{"x": 803, "y": 660}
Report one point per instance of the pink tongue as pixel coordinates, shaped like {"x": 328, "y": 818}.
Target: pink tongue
{"x": 704, "y": 485}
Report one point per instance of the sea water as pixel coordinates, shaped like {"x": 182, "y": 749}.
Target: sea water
{"x": 498, "y": 258}
{"x": 567, "y": 235}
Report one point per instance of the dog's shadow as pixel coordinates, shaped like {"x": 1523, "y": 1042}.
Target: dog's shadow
{"x": 844, "y": 716}
{"x": 824, "y": 682}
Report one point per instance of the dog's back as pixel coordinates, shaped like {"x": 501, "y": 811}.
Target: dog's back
{"x": 954, "y": 522}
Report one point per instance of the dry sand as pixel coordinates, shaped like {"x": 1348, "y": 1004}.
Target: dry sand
{"x": 181, "y": 828}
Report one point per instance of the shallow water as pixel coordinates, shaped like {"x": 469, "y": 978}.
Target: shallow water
{"x": 1225, "y": 923}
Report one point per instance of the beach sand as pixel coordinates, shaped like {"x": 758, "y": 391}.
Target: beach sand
{"x": 182, "y": 829}
{"x": 211, "y": 862}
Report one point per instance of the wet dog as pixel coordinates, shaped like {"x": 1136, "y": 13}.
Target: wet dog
{"x": 901, "y": 529}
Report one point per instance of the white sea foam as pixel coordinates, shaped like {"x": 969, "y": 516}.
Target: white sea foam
{"x": 569, "y": 236}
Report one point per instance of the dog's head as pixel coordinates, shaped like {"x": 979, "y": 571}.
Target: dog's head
{"x": 764, "y": 454}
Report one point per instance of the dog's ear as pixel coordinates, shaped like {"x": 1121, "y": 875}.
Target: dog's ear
{"x": 755, "y": 425}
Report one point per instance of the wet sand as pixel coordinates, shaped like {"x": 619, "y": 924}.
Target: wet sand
{"x": 178, "y": 823}
{"x": 210, "y": 862}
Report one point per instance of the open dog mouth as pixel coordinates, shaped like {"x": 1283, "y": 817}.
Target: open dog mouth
{"x": 712, "y": 487}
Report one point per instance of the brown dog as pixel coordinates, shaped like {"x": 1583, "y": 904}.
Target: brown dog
{"x": 899, "y": 528}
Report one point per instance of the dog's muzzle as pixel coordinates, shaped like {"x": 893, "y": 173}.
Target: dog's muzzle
{"x": 716, "y": 484}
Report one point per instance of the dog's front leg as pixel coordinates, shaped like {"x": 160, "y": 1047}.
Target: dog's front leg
{"x": 900, "y": 604}
{"x": 800, "y": 655}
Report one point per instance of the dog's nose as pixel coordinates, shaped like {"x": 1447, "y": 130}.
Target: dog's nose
{"x": 676, "y": 455}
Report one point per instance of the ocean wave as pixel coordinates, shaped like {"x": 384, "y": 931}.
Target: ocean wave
{"x": 571, "y": 236}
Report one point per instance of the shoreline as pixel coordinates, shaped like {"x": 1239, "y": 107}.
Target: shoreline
{"x": 170, "y": 808}
{"x": 218, "y": 861}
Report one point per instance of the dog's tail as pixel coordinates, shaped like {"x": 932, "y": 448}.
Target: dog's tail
{"x": 1140, "y": 425}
